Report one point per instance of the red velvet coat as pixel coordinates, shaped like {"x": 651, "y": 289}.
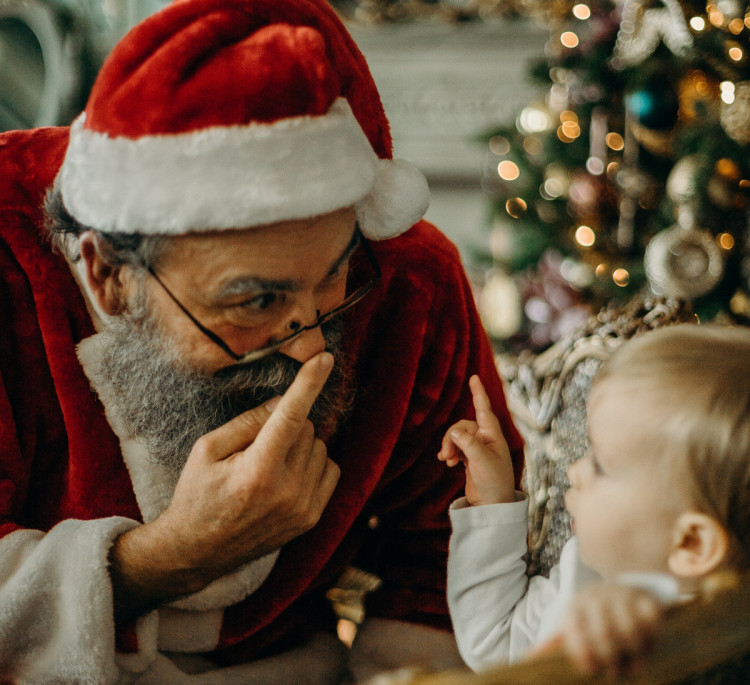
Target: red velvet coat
{"x": 415, "y": 341}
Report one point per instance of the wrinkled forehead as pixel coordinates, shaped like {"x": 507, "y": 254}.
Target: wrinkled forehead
{"x": 287, "y": 247}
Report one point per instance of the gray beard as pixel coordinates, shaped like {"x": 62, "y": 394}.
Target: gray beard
{"x": 167, "y": 406}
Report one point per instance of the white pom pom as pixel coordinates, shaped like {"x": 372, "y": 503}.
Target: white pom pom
{"x": 398, "y": 199}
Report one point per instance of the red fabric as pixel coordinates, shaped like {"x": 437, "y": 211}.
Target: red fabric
{"x": 206, "y": 63}
{"x": 415, "y": 341}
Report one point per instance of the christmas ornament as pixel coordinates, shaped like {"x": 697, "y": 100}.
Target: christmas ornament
{"x": 641, "y": 31}
{"x": 681, "y": 185}
{"x": 654, "y": 106}
{"x": 683, "y": 262}
{"x": 698, "y": 96}
{"x": 499, "y": 304}
{"x": 659, "y": 143}
{"x": 552, "y": 307}
{"x": 735, "y": 115}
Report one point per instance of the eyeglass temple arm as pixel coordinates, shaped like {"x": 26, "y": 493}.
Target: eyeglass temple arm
{"x": 208, "y": 333}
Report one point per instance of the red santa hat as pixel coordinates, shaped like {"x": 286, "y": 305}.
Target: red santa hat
{"x": 219, "y": 114}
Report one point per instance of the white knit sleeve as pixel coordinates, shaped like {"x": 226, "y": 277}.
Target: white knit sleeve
{"x": 495, "y": 614}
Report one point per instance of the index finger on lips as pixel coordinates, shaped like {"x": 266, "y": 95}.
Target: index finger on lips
{"x": 280, "y": 432}
{"x": 235, "y": 435}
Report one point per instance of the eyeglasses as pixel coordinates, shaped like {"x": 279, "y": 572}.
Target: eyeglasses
{"x": 267, "y": 350}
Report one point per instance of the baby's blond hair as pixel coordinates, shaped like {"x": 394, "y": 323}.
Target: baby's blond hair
{"x": 698, "y": 378}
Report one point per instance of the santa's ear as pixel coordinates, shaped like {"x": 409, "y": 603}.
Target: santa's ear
{"x": 699, "y": 547}
{"x": 102, "y": 276}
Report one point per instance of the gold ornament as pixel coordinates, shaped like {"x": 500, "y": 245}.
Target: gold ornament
{"x": 683, "y": 262}
{"x": 659, "y": 143}
{"x": 698, "y": 94}
{"x": 681, "y": 185}
{"x": 735, "y": 115}
{"x": 499, "y": 303}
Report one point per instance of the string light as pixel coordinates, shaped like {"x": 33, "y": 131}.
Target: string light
{"x": 739, "y": 304}
{"x": 585, "y": 236}
{"x": 735, "y": 52}
{"x": 508, "y": 170}
{"x": 561, "y": 135}
{"x": 716, "y": 17}
{"x": 571, "y": 129}
{"x": 728, "y": 168}
{"x": 727, "y": 92}
{"x": 614, "y": 141}
{"x": 621, "y": 277}
{"x": 533, "y": 120}
{"x": 553, "y": 188}
{"x": 601, "y": 270}
{"x": 499, "y": 145}
{"x": 736, "y": 26}
{"x": 725, "y": 241}
{"x": 581, "y": 11}
{"x": 516, "y": 207}
{"x": 698, "y": 23}
{"x": 595, "y": 166}
{"x": 569, "y": 39}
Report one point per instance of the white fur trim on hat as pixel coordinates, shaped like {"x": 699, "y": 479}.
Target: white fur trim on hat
{"x": 237, "y": 176}
{"x": 398, "y": 199}
{"x": 218, "y": 177}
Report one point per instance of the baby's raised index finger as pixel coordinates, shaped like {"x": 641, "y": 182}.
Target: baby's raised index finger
{"x": 280, "y": 432}
{"x": 482, "y": 406}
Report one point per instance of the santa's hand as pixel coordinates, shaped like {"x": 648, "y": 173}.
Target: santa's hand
{"x": 481, "y": 447}
{"x": 247, "y": 488}
{"x": 610, "y": 628}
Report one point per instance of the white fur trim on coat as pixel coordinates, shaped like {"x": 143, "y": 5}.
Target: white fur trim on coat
{"x": 56, "y": 622}
{"x": 237, "y": 177}
{"x": 153, "y": 485}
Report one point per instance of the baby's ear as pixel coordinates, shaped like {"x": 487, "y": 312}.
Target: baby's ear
{"x": 700, "y": 545}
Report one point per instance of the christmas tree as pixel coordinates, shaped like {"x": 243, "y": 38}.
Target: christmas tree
{"x": 631, "y": 172}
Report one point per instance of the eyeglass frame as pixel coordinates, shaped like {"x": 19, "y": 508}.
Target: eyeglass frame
{"x": 267, "y": 350}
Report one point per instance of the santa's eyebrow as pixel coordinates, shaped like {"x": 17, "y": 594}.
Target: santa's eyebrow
{"x": 254, "y": 284}
{"x": 348, "y": 252}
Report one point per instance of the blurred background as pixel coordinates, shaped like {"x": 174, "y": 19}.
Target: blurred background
{"x": 579, "y": 153}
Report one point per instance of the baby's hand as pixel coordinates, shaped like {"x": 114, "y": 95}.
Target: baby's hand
{"x": 481, "y": 447}
{"x": 610, "y": 628}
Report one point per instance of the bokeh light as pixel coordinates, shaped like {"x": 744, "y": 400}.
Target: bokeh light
{"x": 621, "y": 277}
{"x": 569, "y": 39}
{"x": 585, "y": 236}
{"x": 581, "y": 11}
{"x": 725, "y": 241}
{"x": 508, "y": 170}
{"x": 516, "y": 207}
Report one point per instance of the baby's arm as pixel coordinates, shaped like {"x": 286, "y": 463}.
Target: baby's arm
{"x": 481, "y": 447}
{"x": 487, "y": 580}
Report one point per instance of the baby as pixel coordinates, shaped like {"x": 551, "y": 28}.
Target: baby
{"x": 661, "y": 499}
